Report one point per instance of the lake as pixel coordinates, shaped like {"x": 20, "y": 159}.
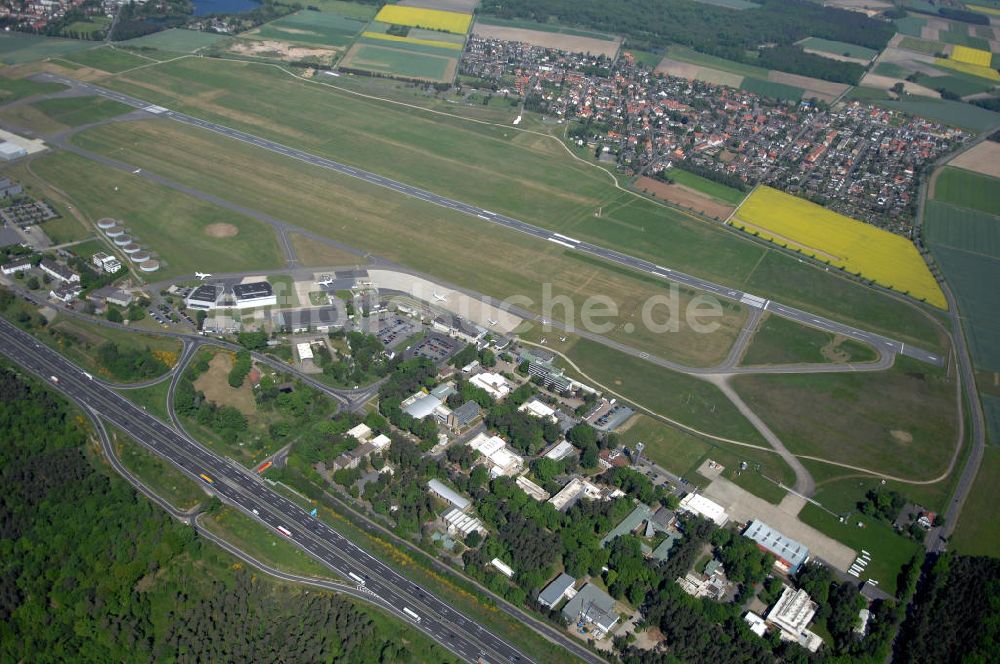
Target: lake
{"x": 204, "y": 7}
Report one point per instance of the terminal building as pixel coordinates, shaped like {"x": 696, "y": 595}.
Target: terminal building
{"x": 255, "y": 294}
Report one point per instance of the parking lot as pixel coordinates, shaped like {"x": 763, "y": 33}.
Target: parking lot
{"x": 434, "y": 347}
{"x": 393, "y": 330}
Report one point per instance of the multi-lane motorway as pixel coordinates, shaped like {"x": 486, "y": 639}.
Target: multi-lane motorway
{"x": 240, "y": 488}
{"x": 884, "y": 344}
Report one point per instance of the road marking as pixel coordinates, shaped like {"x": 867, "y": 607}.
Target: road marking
{"x": 565, "y": 244}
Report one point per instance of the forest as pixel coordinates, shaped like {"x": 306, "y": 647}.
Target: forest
{"x": 743, "y": 36}
{"x": 955, "y": 614}
{"x": 90, "y": 571}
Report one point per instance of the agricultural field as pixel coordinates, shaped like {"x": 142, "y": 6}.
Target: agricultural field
{"x": 541, "y": 35}
{"x": 901, "y": 422}
{"x": 730, "y": 4}
{"x": 402, "y": 63}
{"x": 684, "y": 196}
{"x": 170, "y": 224}
{"x": 983, "y": 158}
{"x": 18, "y": 47}
{"x": 991, "y": 411}
{"x": 781, "y": 341}
{"x": 972, "y": 56}
{"x": 970, "y": 69}
{"x": 431, "y": 19}
{"x": 325, "y": 28}
{"x": 107, "y": 58}
{"x": 772, "y": 89}
{"x": 858, "y": 248}
{"x": 708, "y": 187}
{"x": 967, "y": 189}
{"x": 472, "y": 161}
{"x": 962, "y": 225}
{"x": 835, "y": 48}
{"x": 956, "y": 113}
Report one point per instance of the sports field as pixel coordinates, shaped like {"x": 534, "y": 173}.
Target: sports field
{"x": 861, "y": 249}
{"x": 480, "y": 163}
{"x": 18, "y": 47}
{"x": 399, "y": 62}
{"x": 168, "y": 223}
{"x": 901, "y": 422}
{"x": 418, "y": 17}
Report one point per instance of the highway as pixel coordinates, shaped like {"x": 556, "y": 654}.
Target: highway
{"x": 882, "y": 343}
{"x": 239, "y": 487}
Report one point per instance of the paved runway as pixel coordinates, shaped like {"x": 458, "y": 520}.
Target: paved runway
{"x": 238, "y": 486}
{"x": 882, "y": 343}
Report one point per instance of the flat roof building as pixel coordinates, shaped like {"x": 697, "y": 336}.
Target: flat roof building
{"x": 361, "y": 432}
{"x": 438, "y": 488}
{"x": 792, "y": 615}
{"x": 304, "y": 350}
{"x": 789, "y": 554}
{"x": 695, "y": 503}
{"x": 575, "y": 489}
{"x": 205, "y": 296}
{"x": 560, "y": 451}
{"x": 106, "y": 262}
{"x": 553, "y": 593}
{"x": 254, "y": 294}
{"x": 500, "y": 458}
{"x": 594, "y": 607}
{"x": 538, "y": 409}
{"x": 755, "y": 623}
{"x": 422, "y": 406}
{"x": 503, "y": 568}
{"x": 494, "y": 384}
{"x": 463, "y": 416}
{"x": 461, "y": 524}
{"x": 532, "y": 489}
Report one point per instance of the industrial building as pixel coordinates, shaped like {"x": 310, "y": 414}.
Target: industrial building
{"x": 552, "y": 594}
{"x": 11, "y": 151}
{"x": 254, "y": 294}
{"x": 697, "y": 504}
{"x": 592, "y": 607}
{"x": 205, "y": 296}
{"x": 789, "y": 554}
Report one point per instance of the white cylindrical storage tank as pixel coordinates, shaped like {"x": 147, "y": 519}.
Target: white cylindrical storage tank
{"x": 106, "y": 223}
{"x": 131, "y": 248}
{"x": 140, "y": 256}
{"x": 122, "y": 240}
{"x": 150, "y": 266}
{"x": 114, "y": 231}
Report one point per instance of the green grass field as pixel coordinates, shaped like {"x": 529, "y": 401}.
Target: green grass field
{"x": 177, "y": 40}
{"x": 956, "y": 83}
{"x": 12, "y": 89}
{"x": 392, "y": 61}
{"x": 18, "y": 47}
{"x": 708, "y": 187}
{"x": 474, "y": 162}
{"x": 978, "y": 529}
{"x": 730, "y": 4}
{"x": 892, "y": 69}
{"x": 910, "y": 25}
{"x": 968, "y": 189}
{"x": 901, "y": 422}
{"x": 889, "y": 551}
{"x": 107, "y": 59}
{"x": 167, "y": 222}
{"x": 308, "y": 27}
{"x": 267, "y": 546}
{"x": 962, "y": 228}
{"x": 161, "y": 476}
{"x": 771, "y": 89}
{"x": 866, "y": 93}
{"x": 76, "y": 111}
{"x": 781, "y": 341}
{"x": 543, "y": 27}
{"x": 838, "y": 48}
{"x": 962, "y": 38}
{"x": 684, "y": 54}
{"x": 152, "y": 398}
{"x": 89, "y": 26}
{"x": 991, "y": 411}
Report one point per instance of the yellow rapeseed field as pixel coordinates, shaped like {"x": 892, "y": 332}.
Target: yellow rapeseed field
{"x": 883, "y": 257}
{"x": 434, "y": 19}
{"x": 972, "y": 56}
{"x": 966, "y": 68}
{"x": 412, "y": 40}
{"x": 983, "y": 10}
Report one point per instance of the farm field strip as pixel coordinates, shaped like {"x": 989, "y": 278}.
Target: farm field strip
{"x": 417, "y": 17}
{"x": 890, "y": 260}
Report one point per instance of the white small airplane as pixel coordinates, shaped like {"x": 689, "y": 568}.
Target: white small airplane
{"x": 325, "y": 280}
{"x": 202, "y": 275}
{"x": 492, "y": 322}
{"x": 137, "y": 171}
{"x": 439, "y": 297}
{"x": 542, "y": 341}
{"x": 562, "y": 339}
